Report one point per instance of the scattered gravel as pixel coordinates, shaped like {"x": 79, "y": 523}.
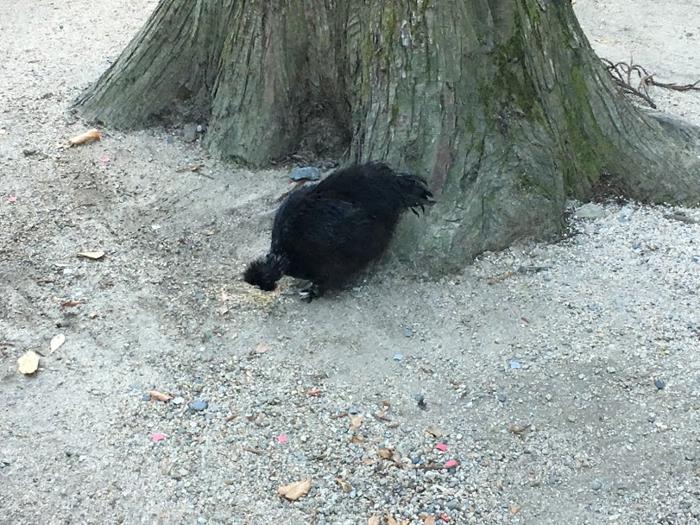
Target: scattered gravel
{"x": 270, "y": 391}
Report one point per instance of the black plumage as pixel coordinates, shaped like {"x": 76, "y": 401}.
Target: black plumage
{"x": 327, "y": 232}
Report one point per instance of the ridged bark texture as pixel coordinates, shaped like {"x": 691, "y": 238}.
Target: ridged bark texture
{"x": 502, "y": 104}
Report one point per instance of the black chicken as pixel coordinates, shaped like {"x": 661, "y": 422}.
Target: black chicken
{"x": 327, "y": 232}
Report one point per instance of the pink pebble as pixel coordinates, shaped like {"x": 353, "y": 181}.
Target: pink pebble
{"x": 158, "y": 436}
{"x": 282, "y": 439}
{"x": 451, "y": 463}
{"x": 442, "y": 447}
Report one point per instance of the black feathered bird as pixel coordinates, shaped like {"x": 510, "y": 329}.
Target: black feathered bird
{"x": 327, "y": 232}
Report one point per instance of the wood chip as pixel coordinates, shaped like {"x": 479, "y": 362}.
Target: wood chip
{"x": 86, "y": 138}
{"x": 159, "y": 396}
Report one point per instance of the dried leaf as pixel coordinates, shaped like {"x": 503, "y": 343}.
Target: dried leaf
{"x": 294, "y": 491}
{"x": 92, "y": 255}
{"x": 374, "y": 520}
{"x": 85, "y": 138}
{"x": 28, "y": 363}
{"x": 70, "y": 303}
{"x": 56, "y": 342}
{"x": 159, "y": 396}
{"x": 519, "y": 430}
{"x": 514, "y": 509}
{"x": 344, "y": 485}
{"x": 385, "y": 453}
{"x": 434, "y": 431}
{"x": 429, "y": 520}
{"x": 391, "y": 521}
{"x": 356, "y": 421}
{"x": 356, "y": 440}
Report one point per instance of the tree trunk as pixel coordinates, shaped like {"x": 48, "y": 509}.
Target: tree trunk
{"x": 502, "y": 104}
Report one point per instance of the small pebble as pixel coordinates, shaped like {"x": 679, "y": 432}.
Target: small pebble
{"x": 514, "y": 364}
{"x": 178, "y": 401}
{"x": 146, "y": 397}
{"x": 306, "y": 173}
{"x": 597, "y": 484}
{"x": 198, "y": 405}
{"x": 420, "y": 399}
{"x": 354, "y": 409}
{"x": 398, "y": 357}
{"x": 407, "y": 332}
{"x": 502, "y": 397}
{"x": 660, "y": 384}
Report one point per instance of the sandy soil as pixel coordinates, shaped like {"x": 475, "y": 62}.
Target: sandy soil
{"x": 563, "y": 378}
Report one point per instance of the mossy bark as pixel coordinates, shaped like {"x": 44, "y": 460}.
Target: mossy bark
{"x": 502, "y": 104}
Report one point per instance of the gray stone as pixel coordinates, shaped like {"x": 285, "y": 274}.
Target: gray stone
{"x": 189, "y": 132}
{"x": 590, "y": 211}
{"x": 306, "y": 173}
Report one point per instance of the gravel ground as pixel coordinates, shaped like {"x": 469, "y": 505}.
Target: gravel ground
{"x": 544, "y": 384}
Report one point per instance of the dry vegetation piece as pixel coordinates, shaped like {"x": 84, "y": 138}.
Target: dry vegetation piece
{"x": 374, "y": 520}
{"x": 356, "y": 422}
{"x": 433, "y": 431}
{"x": 86, "y": 138}
{"x": 519, "y": 430}
{"x": 344, "y": 485}
{"x": 295, "y": 491}
{"x": 91, "y": 255}
{"x": 428, "y": 520}
{"x": 56, "y": 342}
{"x": 70, "y": 303}
{"x": 28, "y": 363}
{"x": 155, "y": 395}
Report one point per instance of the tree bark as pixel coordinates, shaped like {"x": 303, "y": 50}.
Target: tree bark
{"x": 502, "y": 104}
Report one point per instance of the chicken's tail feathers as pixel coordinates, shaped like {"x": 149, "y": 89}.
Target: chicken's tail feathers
{"x": 414, "y": 192}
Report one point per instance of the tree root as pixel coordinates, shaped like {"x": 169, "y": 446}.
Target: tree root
{"x": 622, "y": 73}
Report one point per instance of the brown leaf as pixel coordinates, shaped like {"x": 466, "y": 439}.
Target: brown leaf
{"x": 428, "y": 520}
{"x": 85, "y": 138}
{"x": 356, "y": 440}
{"x": 294, "y": 491}
{"x": 391, "y": 521}
{"x": 92, "y": 255}
{"x": 434, "y": 431}
{"x": 356, "y": 421}
{"x": 344, "y": 485}
{"x": 386, "y": 453}
{"x": 374, "y": 520}
{"x": 28, "y": 363}
{"x": 70, "y": 304}
{"x": 159, "y": 396}
{"x": 56, "y": 342}
{"x": 514, "y": 509}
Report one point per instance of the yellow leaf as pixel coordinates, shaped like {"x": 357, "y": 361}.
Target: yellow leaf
{"x": 28, "y": 363}
{"x": 294, "y": 491}
{"x": 56, "y": 342}
{"x": 85, "y": 138}
{"x": 92, "y": 255}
